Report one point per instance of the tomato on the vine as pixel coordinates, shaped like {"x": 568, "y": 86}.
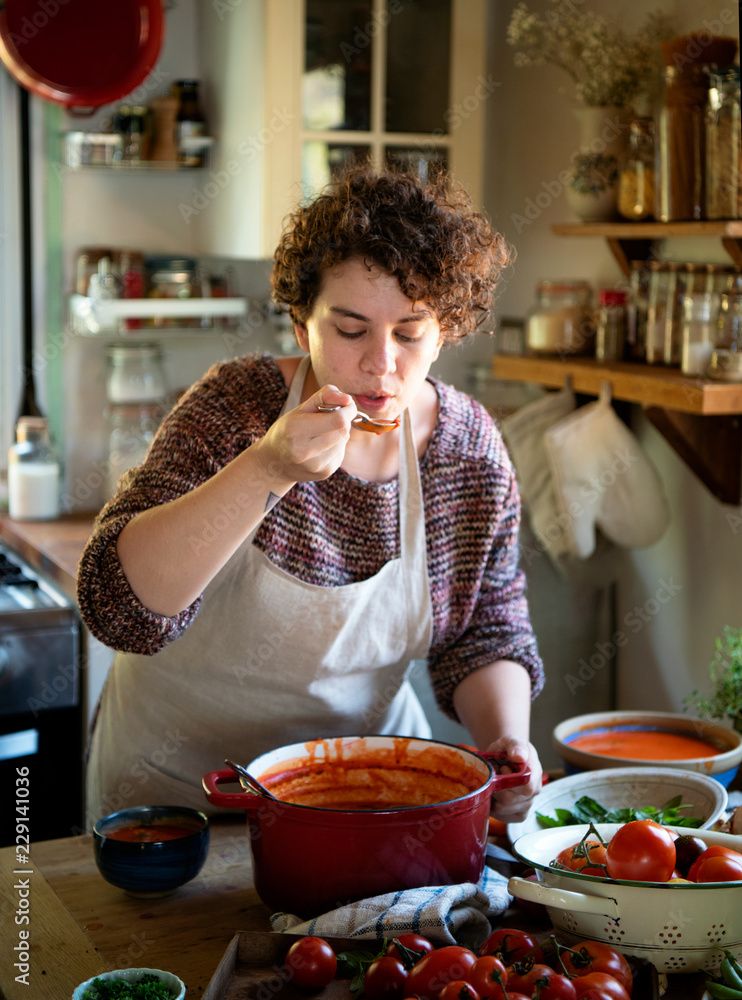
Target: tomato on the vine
{"x": 542, "y": 981}
{"x": 601, "y": 984}
{"x": 643, "y": 851}
{"x": 385, "y": 979}
{"x": 310, "y": 963}
{"x": 488, "y": 976}
{"x": 428, "y": 977}
{"x": 715, "y": 851}
{"x": 511, "y": 946}
{"x": 459, "y": 989}
{"x": 410, "y": 942}
{"x": 594, "y": 956}
{"x": 586, "y": 857}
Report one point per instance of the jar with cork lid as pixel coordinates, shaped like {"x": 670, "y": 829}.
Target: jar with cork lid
{"x": 33, "y": 472}
{"x": 559, "y": 322}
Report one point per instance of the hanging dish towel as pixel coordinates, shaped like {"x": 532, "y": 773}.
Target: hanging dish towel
{"x": 448, "y": 914}
{"x": 602, "y": 478}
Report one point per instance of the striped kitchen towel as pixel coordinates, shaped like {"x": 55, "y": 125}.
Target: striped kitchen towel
{"x": 447, "y": 914}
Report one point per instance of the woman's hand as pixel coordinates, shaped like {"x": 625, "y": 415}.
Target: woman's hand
{"x": 511, "y": 804}
{"x": 307, "y": 443}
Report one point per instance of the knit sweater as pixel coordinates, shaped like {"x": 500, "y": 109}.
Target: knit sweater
{"x": 339, "y": 530}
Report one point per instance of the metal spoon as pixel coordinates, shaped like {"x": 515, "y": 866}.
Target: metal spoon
{"x": 247, "y": 779}
{"x": 364, "y": 422}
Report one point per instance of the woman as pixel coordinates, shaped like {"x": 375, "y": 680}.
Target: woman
{"x": 272, "y": 569}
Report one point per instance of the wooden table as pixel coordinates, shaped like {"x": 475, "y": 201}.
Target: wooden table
{"x": 79, "y": 925}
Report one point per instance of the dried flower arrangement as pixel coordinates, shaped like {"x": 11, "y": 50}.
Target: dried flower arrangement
{"x": 609, "y": 68}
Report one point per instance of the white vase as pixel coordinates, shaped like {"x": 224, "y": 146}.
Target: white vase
{"x": 592, "y": 187}
{"x": 602, "y": 130}
{"x": 597, "y": 207}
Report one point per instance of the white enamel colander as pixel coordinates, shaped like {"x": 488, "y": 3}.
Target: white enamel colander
{"x": 678, "y": 926}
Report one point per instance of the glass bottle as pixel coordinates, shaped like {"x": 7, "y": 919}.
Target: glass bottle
{"x": 654, "y": 345}
{"x": 723, "y": 146}
{"x": 636, "y": 311}
{"x": 637, "y": 178}
{"x": 559, "y": 322}
{"x": 726, "y": 358}
{"x": 610, "y": 328}
{"x": 33, "y": 472}
{"x": 191, "y": 124}
{"x": 681, "y": 145}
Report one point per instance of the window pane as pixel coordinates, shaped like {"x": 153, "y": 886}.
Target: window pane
{"x": 423, "y": 163}
{"x": 336, "y": 85}
{"x": 322, "y": 160}
{"x": 418, "y": 40}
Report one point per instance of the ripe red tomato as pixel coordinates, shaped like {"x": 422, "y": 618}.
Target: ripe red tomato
{"x": 412, "y": 942}
{"x": 385, "y": 979}
{"x": 541, "y": 981}
{"x": 720, "y": 869}
{"x": 585, "y": 858}
{"x": 488, "y": 976}
{"x": 310, "y": 963}
{"x": 599, "y": 983}
{"x": 594, "y": 956}
{"x": 715, "y": 851}
{"x": 643, "y": 851}
{"x": 428, "y": 977}
{"x": 459, "y": 989}
{"x": 511, "y": 946}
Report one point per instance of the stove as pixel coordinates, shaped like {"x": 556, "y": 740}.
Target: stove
{"x": 41, "y": 711}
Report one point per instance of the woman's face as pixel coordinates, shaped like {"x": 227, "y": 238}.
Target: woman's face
{"x": 368, "y": 339}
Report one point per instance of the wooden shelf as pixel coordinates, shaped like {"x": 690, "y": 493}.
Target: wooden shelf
{"x": 699, "y": 418}
{"x": 633, "y": 240}
{"x": 635, "y": 383}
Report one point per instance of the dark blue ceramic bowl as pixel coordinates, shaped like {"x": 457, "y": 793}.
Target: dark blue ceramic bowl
{"x": 151, "y": 867}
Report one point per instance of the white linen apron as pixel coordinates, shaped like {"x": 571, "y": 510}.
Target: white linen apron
{"x": 269, "y": 660}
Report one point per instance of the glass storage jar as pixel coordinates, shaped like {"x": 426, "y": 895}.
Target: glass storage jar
{"x": 172, "y": 278}
{"x": 135, "y": 374}
{"x": 132, "y": 429}
{"x": 610, "y": 327}
{"x": 636, "y": 178}
{"x": 723, "y": 146}
{"x": 33, "y": 472}
{"x": 700, "y": 311}
{"x": 681, "y": 144}
{"x": 559, "y": 322}
{"x": 726, "y": 357}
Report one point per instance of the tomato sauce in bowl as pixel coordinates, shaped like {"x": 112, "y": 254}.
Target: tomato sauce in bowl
{"x": 644, "y": 744}
{"x": 153, "y": 833}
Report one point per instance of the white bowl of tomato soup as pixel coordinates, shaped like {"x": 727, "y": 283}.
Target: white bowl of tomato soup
{"x": 150, "y": 851}
{"x": 660, "y": 739}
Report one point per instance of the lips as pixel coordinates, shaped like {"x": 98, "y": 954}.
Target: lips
{"x": 375, "y": 403}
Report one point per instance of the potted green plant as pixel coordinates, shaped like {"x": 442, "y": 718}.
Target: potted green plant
{"x": 725, "y": 670}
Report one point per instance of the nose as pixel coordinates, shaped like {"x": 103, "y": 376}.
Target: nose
{"x": 379, "y": 358}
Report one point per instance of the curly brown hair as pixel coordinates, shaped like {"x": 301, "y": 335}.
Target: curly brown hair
{"x": 428, "y": 236}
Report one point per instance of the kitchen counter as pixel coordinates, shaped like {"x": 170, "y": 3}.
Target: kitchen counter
{"x": 51, "y": 547}
{"x": 80, "y": 925}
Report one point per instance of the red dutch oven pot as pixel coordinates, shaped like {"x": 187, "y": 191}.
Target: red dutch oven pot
{"x": 369, "y": 815}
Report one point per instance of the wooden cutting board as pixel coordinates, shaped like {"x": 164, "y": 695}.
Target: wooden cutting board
{"x": 60, "y": 955}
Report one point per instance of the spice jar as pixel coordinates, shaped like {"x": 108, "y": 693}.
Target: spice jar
{"x": 559, "y": 321}
{"x": 172, "y": 278}
{"x": 723, "y": 146}
{"x": 700, "y": 310}
{"x": 191, "y": 124}
{"x": 610, "y": 328}
{"x": 726, "y": 357}
{"x": 636, "y": 311}
{"x": 33, "y": 472}
{"x": 135, "y": 374}
{"x": 636, "y": 179}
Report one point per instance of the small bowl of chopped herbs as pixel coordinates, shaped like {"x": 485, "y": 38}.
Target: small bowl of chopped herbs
{"x": 131, "y": 984}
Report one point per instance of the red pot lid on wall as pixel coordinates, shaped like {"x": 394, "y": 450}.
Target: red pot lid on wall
{"x": 80, "y": 53}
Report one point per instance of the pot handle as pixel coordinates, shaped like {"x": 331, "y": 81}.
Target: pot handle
{"x": 520, "y": 775}
{"x": 550, "y": 895}
{"x": 229, "y": 800}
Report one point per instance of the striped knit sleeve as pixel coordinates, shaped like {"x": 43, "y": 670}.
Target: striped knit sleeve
{"x": 219, "y": 417}
{"x": 478, "y": 579}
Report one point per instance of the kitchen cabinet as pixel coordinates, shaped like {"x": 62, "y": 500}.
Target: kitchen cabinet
{"x": 331, "y": 88}
{"x": 700, "y": 418}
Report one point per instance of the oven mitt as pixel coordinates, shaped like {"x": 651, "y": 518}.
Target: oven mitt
{"x": 446, "y": 914}
{"x": 524, "y": 432}
{"x": 602, "y": 478}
